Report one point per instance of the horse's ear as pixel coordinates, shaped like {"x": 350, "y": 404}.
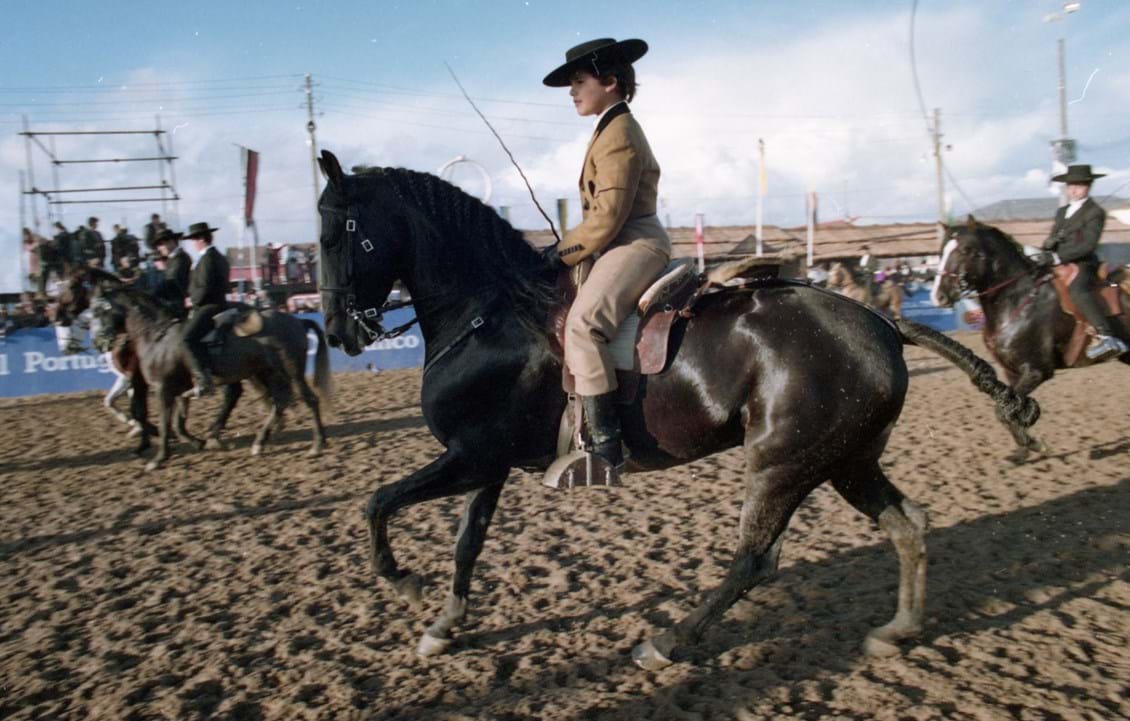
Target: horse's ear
{"x": 331, "y": 168}
{"x": 971, "y": 222}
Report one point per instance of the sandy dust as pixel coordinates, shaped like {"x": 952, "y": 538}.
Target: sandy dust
{"x": 237, "y": 588}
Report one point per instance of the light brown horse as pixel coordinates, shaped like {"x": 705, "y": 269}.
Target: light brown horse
{"x": 887, "y": 299}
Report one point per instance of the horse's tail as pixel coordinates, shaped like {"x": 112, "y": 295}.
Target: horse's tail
{"x": 323, "y": 378}
{"x": 1011, "y": 408}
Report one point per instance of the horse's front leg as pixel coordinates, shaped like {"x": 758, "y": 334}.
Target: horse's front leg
{"x": 166, "y": 404}
{"x": 1023, "y": 382}
{"x": 232, "y": 394}
{"x": 447, "y": 475}
{"x": 477, "y": 513}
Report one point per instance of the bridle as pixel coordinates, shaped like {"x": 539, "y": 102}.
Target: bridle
{"x": 966, "y": 291}
{"x": 361, "y": 316}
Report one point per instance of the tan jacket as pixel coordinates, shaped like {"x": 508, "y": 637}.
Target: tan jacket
{"x": 619, "y": 183}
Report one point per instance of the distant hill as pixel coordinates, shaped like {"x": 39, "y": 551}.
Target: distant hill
{"x": 1032, "y": 208}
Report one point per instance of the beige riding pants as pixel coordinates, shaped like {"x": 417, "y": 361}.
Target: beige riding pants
{"x": 618, "y": 278}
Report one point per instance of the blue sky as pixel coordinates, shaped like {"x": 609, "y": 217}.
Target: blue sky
{"x": 828, "y": 85}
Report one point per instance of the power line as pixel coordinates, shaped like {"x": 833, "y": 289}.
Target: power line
{"x": 933, "y": 132}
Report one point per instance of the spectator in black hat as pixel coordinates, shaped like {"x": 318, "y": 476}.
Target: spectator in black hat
{"x": 207, "y": 289}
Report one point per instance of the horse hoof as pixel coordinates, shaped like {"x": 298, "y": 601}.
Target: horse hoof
{"x": 314, "y": 452}
{"x": 256, "y": 449}
{"x": 431, "y": 646}
{"x": 1020, "y": 455}
{"x": 877, "y": 647}
{"x": 411, "y": 589}
{"x": 213, "y": 444}
{"x": 648, "y": 657}
{"x": 152, "y": 466}
{"x": 134, "y": 432}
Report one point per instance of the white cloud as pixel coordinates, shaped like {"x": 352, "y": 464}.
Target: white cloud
{"x": 837, "y": 109}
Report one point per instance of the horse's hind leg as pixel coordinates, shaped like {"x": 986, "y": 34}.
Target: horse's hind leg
{"x": 477, "y": 513}
{"x": 311, "y": 400}
{"x": 232, "y": 394}
{"x": 773, "y": 495}
{"x": 867, "y": 488}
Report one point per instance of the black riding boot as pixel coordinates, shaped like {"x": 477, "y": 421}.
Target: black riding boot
{"x": 603, "y": 424}
{"x": 201, "y": 375}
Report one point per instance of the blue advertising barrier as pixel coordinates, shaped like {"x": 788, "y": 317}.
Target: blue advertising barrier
{"x": 32, "y": 361}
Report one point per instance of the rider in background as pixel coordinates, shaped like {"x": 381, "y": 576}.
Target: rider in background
{"x": 619, "y": 228}
{"x": 172, "y": 287}
{"x": 207, "y": 289}
{"x": 1074, "y": 239}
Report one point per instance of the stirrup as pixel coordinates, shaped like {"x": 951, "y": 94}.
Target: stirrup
{"x": 1106, "y": 348}
{"x": 581, "y": 468}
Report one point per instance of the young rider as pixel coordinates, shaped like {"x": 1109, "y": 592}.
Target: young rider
{"x": 619, "y": 228}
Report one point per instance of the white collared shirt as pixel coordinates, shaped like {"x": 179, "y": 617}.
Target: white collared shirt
{"x": 201, "y": 256}
{"x": 596, "y": 122}
{"x": 1074, "y": 206}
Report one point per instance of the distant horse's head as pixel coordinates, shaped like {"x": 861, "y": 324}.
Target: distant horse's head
{"x": 108, "y": 319}
{"x": 74, "y": 299}
{"x": 974, "y": 257}
{"x": 360, "y": 239}
{"x": 839, "y": 276}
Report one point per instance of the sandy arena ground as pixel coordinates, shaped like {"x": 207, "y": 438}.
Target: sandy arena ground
{"x": 236, "y": 588}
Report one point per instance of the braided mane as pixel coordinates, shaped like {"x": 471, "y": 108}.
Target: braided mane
{"x": 462, "y": 242}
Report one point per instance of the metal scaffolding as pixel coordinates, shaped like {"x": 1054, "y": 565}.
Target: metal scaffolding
{"x": 52, "y": 204}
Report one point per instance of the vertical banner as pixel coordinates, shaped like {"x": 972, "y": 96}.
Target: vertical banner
{"x": 699, "y": 242}
{"x": 250, "y": 178}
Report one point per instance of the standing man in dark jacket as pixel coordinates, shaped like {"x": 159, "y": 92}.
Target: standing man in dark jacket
{"x": 122, "y": 245}
{"x": 208, "y": 289}
{"x": 1074, "y": 239}
{"x": 152, "y": 229}
{"x": 92, "y": 246}
{"x": 173, "y": 285}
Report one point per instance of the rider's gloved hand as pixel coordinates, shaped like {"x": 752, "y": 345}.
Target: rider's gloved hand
{"x": 551, "y": 259}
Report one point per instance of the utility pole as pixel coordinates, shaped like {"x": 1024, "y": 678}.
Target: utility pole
{"x": 1063, "y": 149}
{"x": 23, "y": 224}
{"x": 938, "y": 173}
{"x": 761, "y": 182}
{"x": 313, "y": 143}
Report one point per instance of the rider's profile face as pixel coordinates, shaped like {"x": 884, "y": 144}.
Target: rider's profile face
{"x": 1078, "y": 191}
{"x": 590, "y": 96}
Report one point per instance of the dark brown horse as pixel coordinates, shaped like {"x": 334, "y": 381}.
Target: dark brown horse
{"x": 274, "y": 360}
{"x": 810, "y": 384}
{"x": 1025, "y": 328}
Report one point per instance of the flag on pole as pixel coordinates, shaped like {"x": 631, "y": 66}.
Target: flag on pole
{"x": 250, "y": 177}
{"x": 699, "y": 241}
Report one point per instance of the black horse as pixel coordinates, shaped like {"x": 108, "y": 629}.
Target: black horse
{"x": 273, "y": 359}
{"x": 809, "y": 383}
{"x": 1025, "y": 328}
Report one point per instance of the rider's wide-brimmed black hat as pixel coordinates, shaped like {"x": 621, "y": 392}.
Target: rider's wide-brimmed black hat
{"x": 1078, "y": 174}
{"x": 199, "y": 230}
{"x": 166, "y": 235}
{"x": 596, "y": 57}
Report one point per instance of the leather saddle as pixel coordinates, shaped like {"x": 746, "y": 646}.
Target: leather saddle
{"x": 643, "y": 344}
{"x": 648, "y": 334}
{"x": 1107, "y": 294}
{"x": 238, "y": 320}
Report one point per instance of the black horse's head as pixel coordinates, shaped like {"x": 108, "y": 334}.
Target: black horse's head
{"x": 109, "y": 320}
{"x": 74, "y": 299}
{"x": 974, "y": 257}
{"x": 360, "y": 254}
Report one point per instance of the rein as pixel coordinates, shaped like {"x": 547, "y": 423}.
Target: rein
{"x": 373, "y": 314}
